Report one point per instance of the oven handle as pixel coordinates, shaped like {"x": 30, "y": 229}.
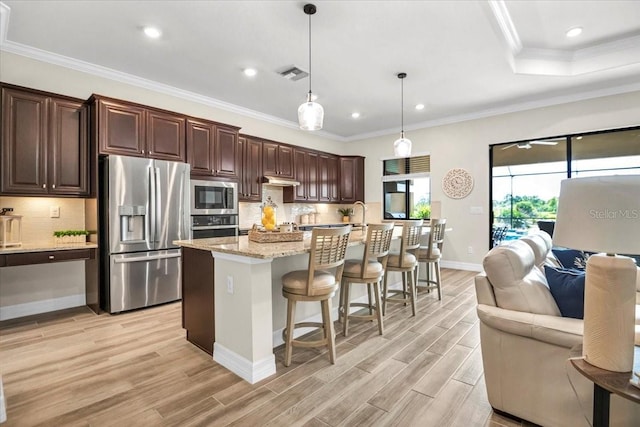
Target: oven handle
{"x": 212, "y": 227}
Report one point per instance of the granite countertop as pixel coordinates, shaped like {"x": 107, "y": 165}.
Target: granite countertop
{"x": 43, "y": 247}
{"x": 244, "y": 247}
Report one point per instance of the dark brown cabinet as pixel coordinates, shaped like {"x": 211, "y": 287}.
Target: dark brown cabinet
{"x": 328, "y": 178}
{"x": 48, "y": 257}
{"x": 197, "y": 298}
{"x": 305, "y": 165}
{"x": 277, "y": 159}
{"x": 250, "y": 186}
{"x": 213, "y": 149}
{"x": 44, "y": 144}
{"x": 351, "y": 179}
{"x": 129, "y": 129}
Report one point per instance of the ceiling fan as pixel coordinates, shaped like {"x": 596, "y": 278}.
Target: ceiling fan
{"x": 527, "y": 145}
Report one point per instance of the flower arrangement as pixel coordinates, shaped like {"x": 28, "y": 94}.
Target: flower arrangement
{"x": 70, "y": 236}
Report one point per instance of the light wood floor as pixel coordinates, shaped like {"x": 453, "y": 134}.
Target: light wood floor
{"x": 75, "y": 368}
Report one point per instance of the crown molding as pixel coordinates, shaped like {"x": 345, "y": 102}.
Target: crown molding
{"x": 562, "y": 62}
{"x": 511, "y": 108}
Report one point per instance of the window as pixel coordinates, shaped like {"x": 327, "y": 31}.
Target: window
{"x": 407, "y": 188}
{"x": 526, "y": 175}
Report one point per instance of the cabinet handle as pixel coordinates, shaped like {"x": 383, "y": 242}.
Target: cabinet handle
{"x": 44, "y": 185}
{"x": 142, "y": 151}
{"x": 52, "y": 257}
{"x": 53, "y": 186}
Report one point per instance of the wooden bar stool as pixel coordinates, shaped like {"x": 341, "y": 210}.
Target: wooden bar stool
{"x": 431, "y": 255}
{"x": 406, "y": 263}
{"x": 317, "y": 283}
{"x": 369, "y": 270}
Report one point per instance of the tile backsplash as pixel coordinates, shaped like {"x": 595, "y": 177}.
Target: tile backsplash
{"x": 37, "y": 224}
{"x": 325, "y": 213}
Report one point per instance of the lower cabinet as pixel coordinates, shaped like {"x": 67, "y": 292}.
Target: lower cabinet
{"x": 197, "y": 298}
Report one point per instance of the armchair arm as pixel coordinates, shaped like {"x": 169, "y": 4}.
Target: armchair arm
{"x": 561, "y": 331}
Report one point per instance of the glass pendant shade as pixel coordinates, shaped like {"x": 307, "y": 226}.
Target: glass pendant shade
{"x": 402, "y": 146}
{"x": 310, "y": 115}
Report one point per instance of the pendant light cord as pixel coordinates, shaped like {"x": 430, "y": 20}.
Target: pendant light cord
{"x": 402, "y": 107}
{"x": 309, "y": 56}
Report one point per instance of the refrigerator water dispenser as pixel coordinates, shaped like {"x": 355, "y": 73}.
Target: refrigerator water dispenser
{"x": 132, "y": 219}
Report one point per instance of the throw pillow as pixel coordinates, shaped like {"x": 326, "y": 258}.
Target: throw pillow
{"x": 570, "y": 258}
{"x": 567, "y": 288}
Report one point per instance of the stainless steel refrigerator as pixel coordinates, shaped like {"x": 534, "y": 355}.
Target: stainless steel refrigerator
{"x": 144, "y": 207}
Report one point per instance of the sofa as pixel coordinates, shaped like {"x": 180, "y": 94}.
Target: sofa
{"x": 526, "y": 343}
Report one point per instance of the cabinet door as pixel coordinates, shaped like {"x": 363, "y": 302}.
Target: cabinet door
{"x": 270, "y": 158}
{"x": 165, "y": 136}
{"x": 227, "y": 154}
{"x": 121, "y": 128}
{"x": 299, "y": 165}
{"x": 250, "y": 188}
{"x": 328, "y": 178}
{"x": 24, "y": 142}
{"x": 285, "y": 161}
{"x": 68, "y": 148}
{"x": 311, "y": 161}
{"x": 351, "y": 179}
{"x": 200, "y": 146}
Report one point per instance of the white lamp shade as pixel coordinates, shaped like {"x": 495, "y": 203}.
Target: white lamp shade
{"x": 402, "y": 147}
{"x": 599, "y": 214}
{"x": 310, "y": 116}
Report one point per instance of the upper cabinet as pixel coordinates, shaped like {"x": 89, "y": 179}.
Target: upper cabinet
{"x": 277, "y": 159}
{"x": 305, "y": 165}
{"x": 250, "y": 188}
{"x": 129, "y": 129}
{"x": 44, "y": 144}
{"x": 213, "y": 149}
{"x": 351, "y": 179}
{"x": 328, "y": 178}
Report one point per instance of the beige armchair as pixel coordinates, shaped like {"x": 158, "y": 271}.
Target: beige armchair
{"x": 526, "y": 343}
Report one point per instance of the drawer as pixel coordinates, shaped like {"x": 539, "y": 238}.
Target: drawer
{"x": 47, "y": 257}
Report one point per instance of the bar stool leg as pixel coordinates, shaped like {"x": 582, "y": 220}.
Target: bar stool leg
{"x": 328, "y": 329}
{"x": 345, "y": 309}
{"x": 384, "y": 295}
{"x": 438, "y": 279}
{"x": 291, "y": 315}
{"x": 412, "y": 288}
{"x": 369, "y": 292}
{"x": 378, "y": 306}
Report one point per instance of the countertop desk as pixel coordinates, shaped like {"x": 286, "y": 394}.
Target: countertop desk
{"x": 607, "y": 382}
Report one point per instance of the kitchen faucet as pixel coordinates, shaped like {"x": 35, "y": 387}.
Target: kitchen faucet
{"x": 364, "y": 209}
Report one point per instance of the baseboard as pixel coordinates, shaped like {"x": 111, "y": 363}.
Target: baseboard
{"x": 44, "y": 306}
{"x": 456, "y": 265}
{"x": 252, "y": 372}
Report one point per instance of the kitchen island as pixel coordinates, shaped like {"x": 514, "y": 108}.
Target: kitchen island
{"x": 249, "y": 311}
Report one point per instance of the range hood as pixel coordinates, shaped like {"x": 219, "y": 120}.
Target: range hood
{"x": 278, "y": 181}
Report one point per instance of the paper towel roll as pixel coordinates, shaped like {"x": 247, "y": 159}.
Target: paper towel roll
{"x": 609, "y": 312}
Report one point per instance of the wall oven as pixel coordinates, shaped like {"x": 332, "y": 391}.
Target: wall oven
{"x": 205, "y": 226}
{"x": 214, "y": 197}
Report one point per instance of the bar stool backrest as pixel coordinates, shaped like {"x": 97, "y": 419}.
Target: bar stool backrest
{"x": 411, "y": 231}
{"x": 377, "y": 244}
{"x": 436, "y": 236}
{"x": 328, "y": 249}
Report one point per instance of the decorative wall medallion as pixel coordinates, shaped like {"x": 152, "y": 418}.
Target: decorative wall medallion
{"x": 457, "y": 183}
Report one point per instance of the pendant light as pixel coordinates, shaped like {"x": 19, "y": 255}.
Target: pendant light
{"x": 402, "y": 145}
{"x": 310, "y": 114}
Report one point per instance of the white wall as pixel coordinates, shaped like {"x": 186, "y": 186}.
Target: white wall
{"x": 466, "y": 145}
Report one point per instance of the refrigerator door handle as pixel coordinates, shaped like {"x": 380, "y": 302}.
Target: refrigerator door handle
{"x": 152, "y": 206}
{"x": 157, "y": 205}
{"x": 144, "y": 258}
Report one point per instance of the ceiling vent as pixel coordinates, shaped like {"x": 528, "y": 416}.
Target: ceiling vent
{"x": 293, "y": 73}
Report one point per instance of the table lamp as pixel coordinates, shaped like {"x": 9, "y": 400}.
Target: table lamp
{"x": 602, "y": 214}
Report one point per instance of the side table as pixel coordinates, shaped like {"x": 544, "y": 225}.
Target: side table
{"x": 607, "y": 382}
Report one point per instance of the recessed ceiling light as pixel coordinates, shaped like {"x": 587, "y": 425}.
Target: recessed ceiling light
{"x": 573, "y": 32}
{"x": 420, "y": 107}
{"x": 152, "y": 32}
{"x": 355, "y": 115}
{"x": 250, "y": 72}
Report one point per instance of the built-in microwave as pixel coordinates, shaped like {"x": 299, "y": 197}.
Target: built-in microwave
{"x": 213, "y": 197}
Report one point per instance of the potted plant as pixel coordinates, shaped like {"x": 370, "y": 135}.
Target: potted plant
{"x": 70, "y": 236}
{"x": 346, "y": 213}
